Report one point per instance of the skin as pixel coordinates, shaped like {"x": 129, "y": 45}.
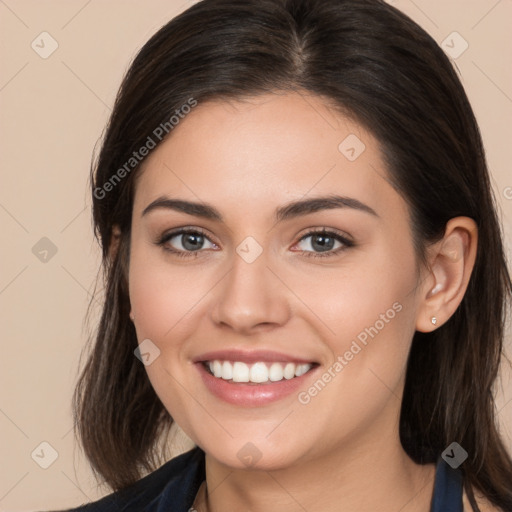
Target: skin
{"x": 340, "y": 451}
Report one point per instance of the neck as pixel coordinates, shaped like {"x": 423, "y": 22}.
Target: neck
{"x": 364, "y": 475}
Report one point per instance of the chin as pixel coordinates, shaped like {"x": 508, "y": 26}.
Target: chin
{"x": 256, "y": 455}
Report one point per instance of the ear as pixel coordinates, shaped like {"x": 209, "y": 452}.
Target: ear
{"x": 115, "y": 238}
{"x": 451, "y": 261}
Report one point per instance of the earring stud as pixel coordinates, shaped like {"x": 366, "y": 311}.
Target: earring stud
{"x": 434, "y": 320}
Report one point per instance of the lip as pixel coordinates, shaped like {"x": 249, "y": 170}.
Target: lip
{"x": 250, "y": 357}
{"x": 245, "y": 394}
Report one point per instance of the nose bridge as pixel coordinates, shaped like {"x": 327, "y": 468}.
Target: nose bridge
{"x": 250, "y": 294}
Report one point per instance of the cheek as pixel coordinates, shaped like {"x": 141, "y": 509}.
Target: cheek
{"x": 162, "y": 295}
{"x": 366, "y": 315}
{"x": 370, "y": 325}
{"x": 162, "y": 299}
{"x": 364, "y": 300}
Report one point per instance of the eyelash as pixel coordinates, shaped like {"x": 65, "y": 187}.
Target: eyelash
{"x": 308, "y": 254}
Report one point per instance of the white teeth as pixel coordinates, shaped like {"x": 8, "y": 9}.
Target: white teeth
{"x": 276, "y": 372}
{"x": 289, "y": 371}
{"x": 301, "y": 369}
{"x": 227, "y": 370}
{"x": 217, "y": 368}
{"x": 258, "y": 372}
{"x": 240, "y": 372}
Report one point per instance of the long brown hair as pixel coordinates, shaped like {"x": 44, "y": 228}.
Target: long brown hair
{"x": 376, "y": 65}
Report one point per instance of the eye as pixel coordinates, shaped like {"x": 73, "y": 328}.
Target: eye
{"x": 184, "y": 242}
{"x": 324, "y": 241}
{"x": 188, "y": 242}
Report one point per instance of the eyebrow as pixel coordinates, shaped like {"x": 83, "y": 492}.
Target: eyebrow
{"x": 286, "y": 212}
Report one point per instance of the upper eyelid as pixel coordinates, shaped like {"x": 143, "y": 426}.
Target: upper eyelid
{"x": 334, "y": 231}
{"x": 340, "y": 236}
{"x": 165, "y": 237}
{"x": 182, "y": 230}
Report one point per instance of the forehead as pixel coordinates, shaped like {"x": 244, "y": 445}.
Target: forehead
{"x": 254, "y": 153}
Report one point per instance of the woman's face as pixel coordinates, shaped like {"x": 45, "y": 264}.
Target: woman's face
{"x": 254, "y": 289}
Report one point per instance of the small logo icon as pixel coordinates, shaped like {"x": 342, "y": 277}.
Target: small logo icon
{"x": 147, "y": 352}
{"x": 507, "y": 192}
{"x": 454, "y": 455}
{"x": 249, "y": 454}
{"x": 44, "y": 455}
{"x": 44, "y": 45}
{"x": 351, "y": 147}
{"x": 249, "y": 250}
{"x": 44, "y": 250}
{"x": 454, "y": 45}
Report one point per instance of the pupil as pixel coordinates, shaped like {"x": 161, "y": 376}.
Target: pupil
{"x": 194, "y": 241}
{"x": 322, "y": 245}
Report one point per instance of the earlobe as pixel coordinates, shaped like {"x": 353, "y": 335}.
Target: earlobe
{"x": 451, "y": 262}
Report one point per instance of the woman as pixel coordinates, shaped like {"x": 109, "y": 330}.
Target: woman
{"x": 304, "y": 270}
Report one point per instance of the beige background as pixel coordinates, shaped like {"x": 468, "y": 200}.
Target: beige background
{"x": 53, "y": 112}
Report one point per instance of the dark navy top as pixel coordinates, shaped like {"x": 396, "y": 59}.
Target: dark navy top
{"x": 173, "y": 488}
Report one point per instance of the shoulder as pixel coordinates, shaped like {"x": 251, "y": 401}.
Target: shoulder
{"x": 173, "y": 483}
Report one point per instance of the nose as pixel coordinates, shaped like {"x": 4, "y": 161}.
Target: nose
{"x": 251, "y": 297}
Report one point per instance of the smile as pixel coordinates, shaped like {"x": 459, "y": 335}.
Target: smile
{"x": 258, "y": 372}
{"x": 255, "y": 384}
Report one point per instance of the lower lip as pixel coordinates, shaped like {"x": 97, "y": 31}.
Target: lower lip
{"x": 250, "y": 394}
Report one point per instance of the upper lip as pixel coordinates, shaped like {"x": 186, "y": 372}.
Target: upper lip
{"x": 250, "y": 356}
